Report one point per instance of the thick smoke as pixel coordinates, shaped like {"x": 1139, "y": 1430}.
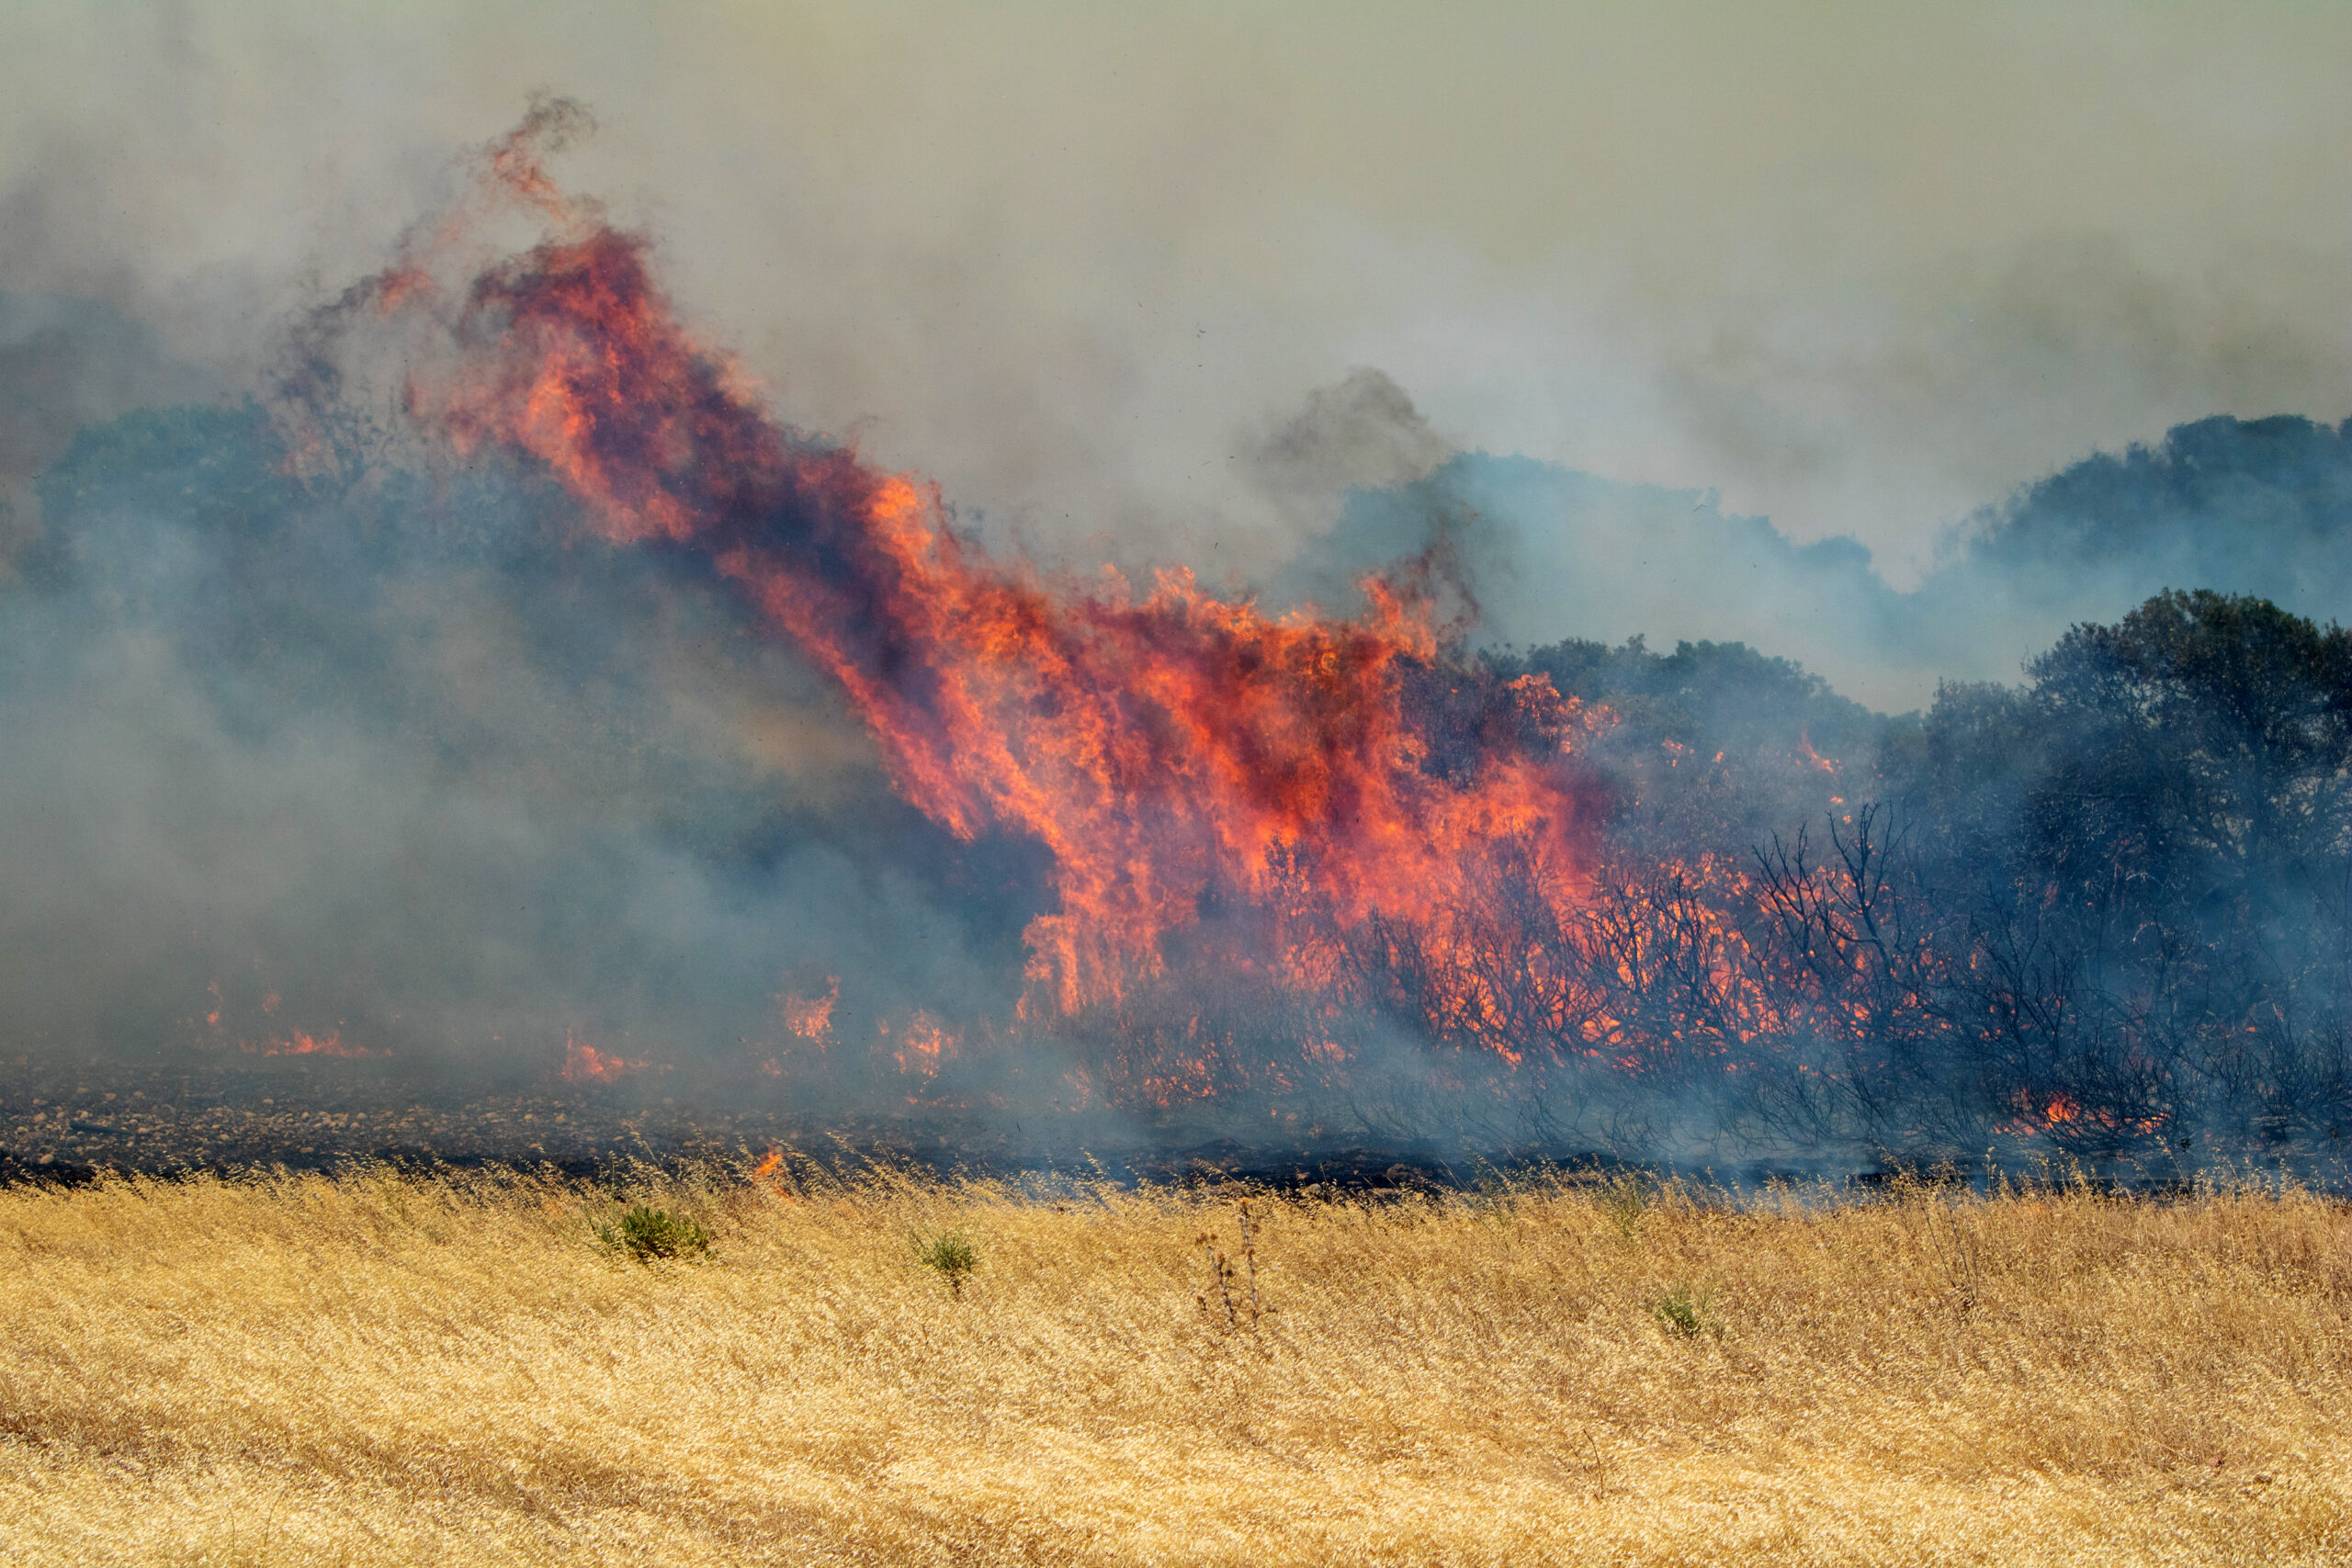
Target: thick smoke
{"x": 435, "y": 711}
{"x": 406, "y": 764}
{"x": 65, "y": 362}
{"x": 2245, "y": 506}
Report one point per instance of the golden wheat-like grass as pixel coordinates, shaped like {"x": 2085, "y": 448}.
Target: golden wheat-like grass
{"x": 383, "y": 1368}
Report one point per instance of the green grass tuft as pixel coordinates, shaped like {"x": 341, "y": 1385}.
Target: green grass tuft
{"x": 952, "y": 1254}
{"x": 646, "y": 1233}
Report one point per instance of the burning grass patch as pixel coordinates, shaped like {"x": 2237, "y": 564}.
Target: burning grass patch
{"x": 386, "y": 1367}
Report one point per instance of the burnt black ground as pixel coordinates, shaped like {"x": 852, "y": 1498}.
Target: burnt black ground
{"x": 64, "y": 1124}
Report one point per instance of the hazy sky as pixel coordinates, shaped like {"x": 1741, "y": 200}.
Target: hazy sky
{"x": 1861, "y": 268}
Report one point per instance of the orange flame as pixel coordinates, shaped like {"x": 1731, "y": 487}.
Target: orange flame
{"x": 1161, "y": 744}
{"x": 584, "y": 1064}
{"x": 1364, "y": 815}
{"x": 302, "y": 1045}
{"x": 811, "y": 1017}
{"x": 925, "y": 1043}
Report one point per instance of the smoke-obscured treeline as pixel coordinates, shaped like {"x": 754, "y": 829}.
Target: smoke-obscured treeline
{"x": 2110, "y": 906}
{"x": 2106, "y": 912}
{"x": 2259, "y": 506}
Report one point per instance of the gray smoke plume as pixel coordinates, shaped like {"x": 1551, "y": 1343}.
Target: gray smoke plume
{"x": 402, "y": 763}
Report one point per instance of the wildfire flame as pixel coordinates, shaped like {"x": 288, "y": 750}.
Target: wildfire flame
{"x": 301, "y": 1044}
{"x": 1249, "y": 817}
{"x": 583, "y": 1063}
{"x": 811, "y": 1017}
{"x": 925, "y": 1043}
{"x": 1164, "y": 744}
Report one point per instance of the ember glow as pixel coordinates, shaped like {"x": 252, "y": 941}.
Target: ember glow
{"x": 811, "y": 1017}
{"x": 583, "y": 1063}
{"x": 301, "y": 1044}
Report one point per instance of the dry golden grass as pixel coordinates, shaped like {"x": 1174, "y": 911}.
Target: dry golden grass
{"x": 382, "y": 1370}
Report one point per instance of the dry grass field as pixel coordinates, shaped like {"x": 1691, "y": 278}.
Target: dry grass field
{"x": 379, "y": 1369}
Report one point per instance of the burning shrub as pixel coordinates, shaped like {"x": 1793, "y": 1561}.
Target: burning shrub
{"x": 645, "y": 1233}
